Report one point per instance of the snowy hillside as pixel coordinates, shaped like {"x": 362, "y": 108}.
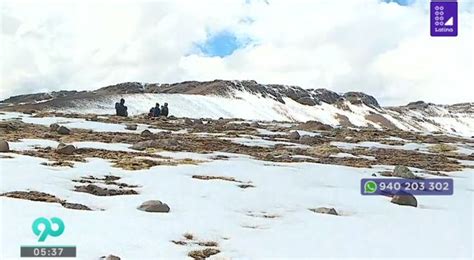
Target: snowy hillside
{"x": 253, "y": 107}
{"x": 252, "y": 101}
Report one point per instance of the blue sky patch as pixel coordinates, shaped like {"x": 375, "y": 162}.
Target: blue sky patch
{"x": 221, "y": 44}
{"x": 400, "y": 2}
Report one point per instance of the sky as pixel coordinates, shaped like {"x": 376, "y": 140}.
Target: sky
{"x": 380, "y": 47}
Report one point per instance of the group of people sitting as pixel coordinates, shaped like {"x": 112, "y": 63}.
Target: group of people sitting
{"x": 156, "y": 111}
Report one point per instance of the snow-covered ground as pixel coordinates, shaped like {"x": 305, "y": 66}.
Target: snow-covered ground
{"x": 220, "y": 211}
{"x": 237, "y": 219}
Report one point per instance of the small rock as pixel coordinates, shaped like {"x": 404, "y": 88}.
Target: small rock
{"x": 203, "y": 254}
{"x": 403, "y": 172}
{"x": 255, "y": 124}
{"x": 170, "y": 144}
{"x": 131, "y": 126}
{"x": 154, "y": 206}
{"x": 198, "y": 122}
{"x": 309, "y": 140}
{"x": 29, "y": 112}
{"x": 54, "y": 127}
{"x": 63, "y": 130}
{"x": 324, "y": 210}
{"x": 76, "y": 206}
{"x": 374, "y": 175}
{"x": 146, "y": 133}
{"x": 110, "y": 257}
{"x": 9, "y": 126}
{"x": 140, "y": 146}
{"x": 405, "y": 200}
{"x": 188, "y": 121}
{"x": 67, "y": 149}
{"x": 172, "y": 118}
{"x": 294, "y": 135}
{"x": 4, "y": 147}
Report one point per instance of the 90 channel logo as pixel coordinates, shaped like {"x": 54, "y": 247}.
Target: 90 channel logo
{"x": 43, "y": 228}
{"x": 47, "y": 228}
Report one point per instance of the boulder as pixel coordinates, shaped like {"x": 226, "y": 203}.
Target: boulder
{"x": 324, "y": 210}
{"x": 54, "y": 127}
{"x": 4, "y": 147}
{"x": 131, "y": 126}
{"x": 63, "y": 130}
{"x": 170, "y": 144}
{"x": 294, "y": 135}
{"x": 361, "y": 98}
{"x": 405, "y": 199}
{"x": 66, "y": 149}
{"x": 154, "y": 206}
{"x": 403, "y": 172}
{"x": 146, "y": 133}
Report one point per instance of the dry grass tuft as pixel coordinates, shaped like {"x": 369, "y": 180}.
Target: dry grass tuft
{"x": 442, "y": 148}
{"x": 204, "y": 253}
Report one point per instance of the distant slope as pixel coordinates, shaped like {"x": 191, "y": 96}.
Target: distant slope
{"x": 254, "y": 101}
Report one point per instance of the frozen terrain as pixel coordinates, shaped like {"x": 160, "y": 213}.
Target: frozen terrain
{"x": 269, "y": 219}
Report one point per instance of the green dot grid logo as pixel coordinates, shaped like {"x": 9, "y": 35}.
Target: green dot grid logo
{"x": 370, "y": 187}
{"x": 47, "y": 228}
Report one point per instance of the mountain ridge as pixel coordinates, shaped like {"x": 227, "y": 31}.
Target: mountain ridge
{"x": 223, "y": 88}
{"x": 253, "y": 101}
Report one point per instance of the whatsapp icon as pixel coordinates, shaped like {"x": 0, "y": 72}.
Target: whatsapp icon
{"x": 370, "y": 187}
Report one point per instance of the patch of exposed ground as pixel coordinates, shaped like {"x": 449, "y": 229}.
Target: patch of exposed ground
{"x": 242, "y": 185}
{"x": 100, "y": 191}
{"x": 262, "y": 214}
{"x": 95, "y": 186}
{"x": 344, "y": 121}
{"x": 119, "y": 159}
{"x": 43, "y": 197}
{"x": 189, "y": 239}
{"x": 106, "y": 180}
{"x": 381, "y": 120}
{"x": 319, "y": 150}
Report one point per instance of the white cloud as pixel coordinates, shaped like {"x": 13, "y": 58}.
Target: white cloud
{"x": 364, "y": 45}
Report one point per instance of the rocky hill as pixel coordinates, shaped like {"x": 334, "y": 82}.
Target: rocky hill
{"x": 222, "y": 88}
{"x": 254, "y": 101}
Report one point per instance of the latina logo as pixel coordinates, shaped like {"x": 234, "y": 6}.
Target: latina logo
{"x": 47, "y": 229}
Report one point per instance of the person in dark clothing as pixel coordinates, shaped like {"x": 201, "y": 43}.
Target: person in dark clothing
{"x": 120, "y": 108}
{"x": 164, "y": 110}
{"x": 156, "y": 110}
{"x": 152, "y": 112}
